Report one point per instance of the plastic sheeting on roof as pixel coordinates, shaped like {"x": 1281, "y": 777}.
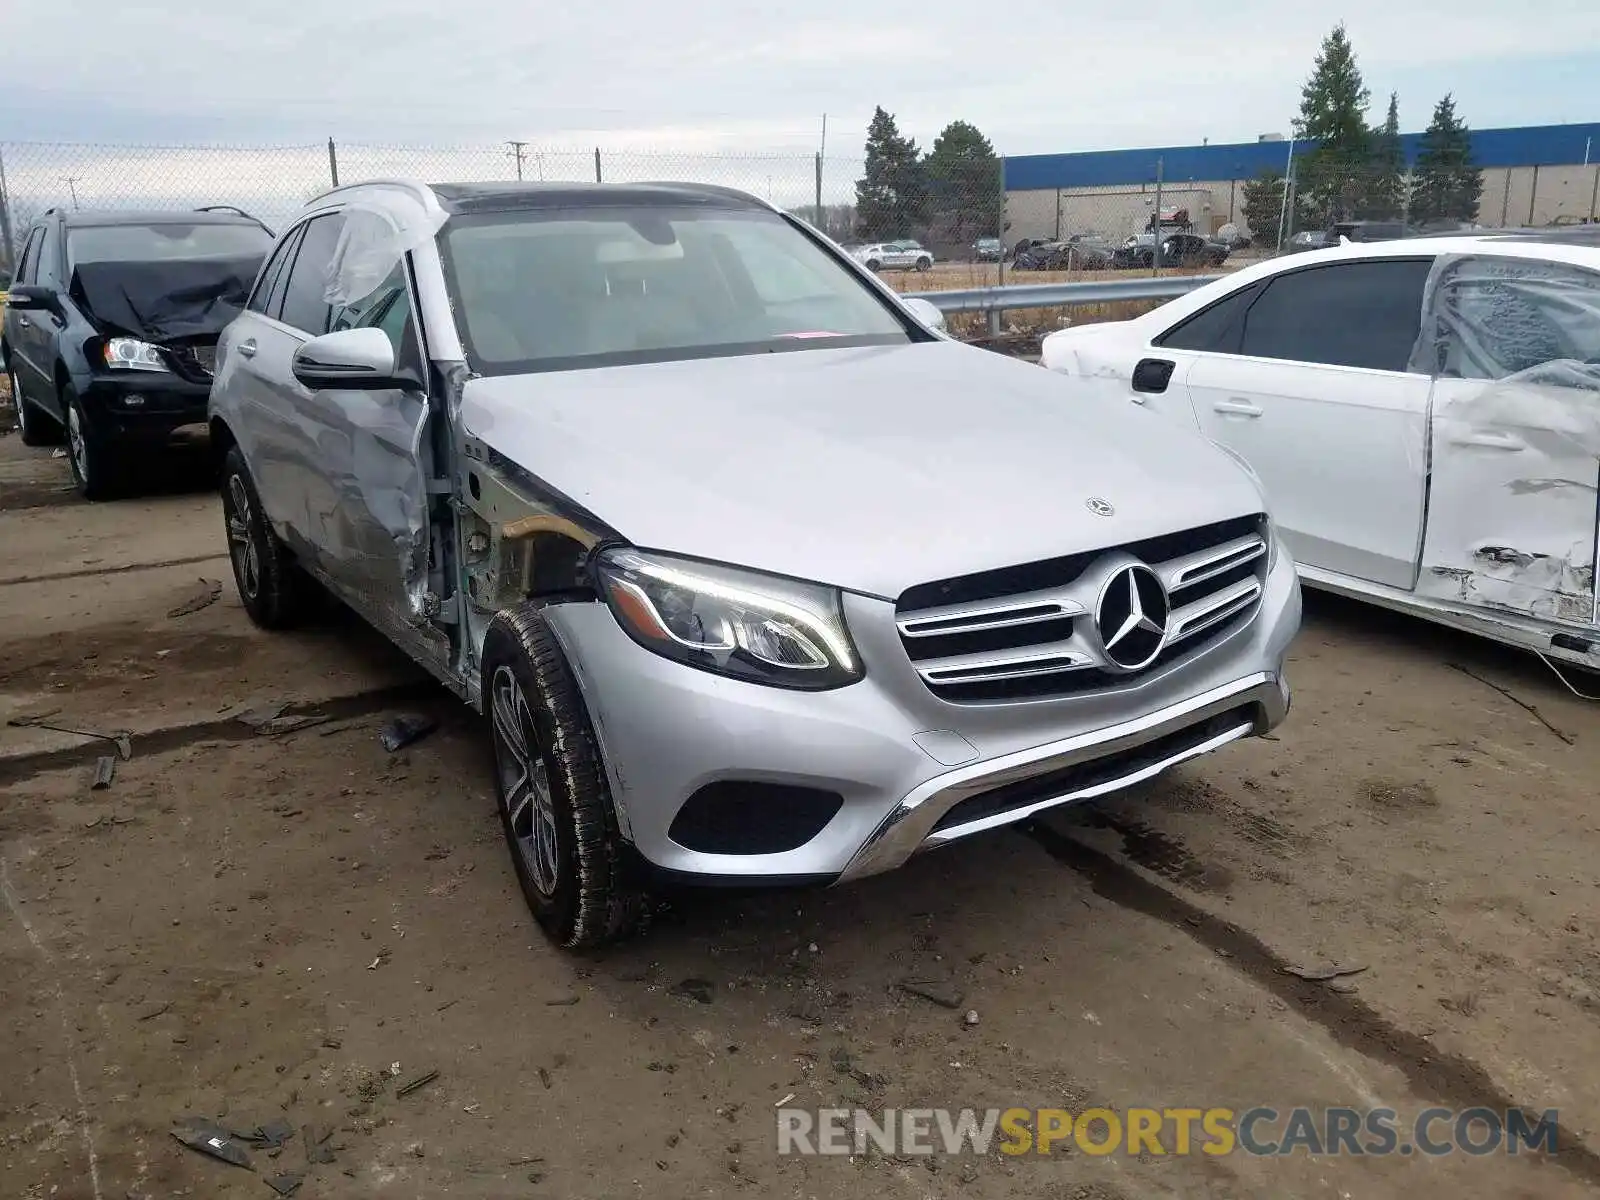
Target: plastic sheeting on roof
{"x": 380, "y": 228}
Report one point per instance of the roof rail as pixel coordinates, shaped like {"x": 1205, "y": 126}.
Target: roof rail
{"x": 414, "y": 188}
{"x": 714, "y": 189}
{"x": 233, "y": 208}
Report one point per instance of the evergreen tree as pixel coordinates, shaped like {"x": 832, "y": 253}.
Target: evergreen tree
{"x": 963, "y": 175}
{"x": 1333, "y": 178}
{"x": 892, "y": 194}
{"x": 1386, "y": 199}
{"x": 1263, "y": 207}
{"x": 1446, "y": 186}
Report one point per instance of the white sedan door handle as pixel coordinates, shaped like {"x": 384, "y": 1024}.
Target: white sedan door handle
{"x": 1491, "y": 441}
{"x": 1242, "y": 408}
{"x": 247, "y": 348}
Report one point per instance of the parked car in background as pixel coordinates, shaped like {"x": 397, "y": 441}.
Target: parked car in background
{"x": 894, "y": 256}
{"x": 1177, "y": 250}
{"x": 988, "y": 249}
{"x": 653, "y": 461}
{"x": 1081, "y": 252}
{"x": 1308, "y": 239}
{"x": 110, "y": 329}
{"x": 1422, "y": 414}
{"x": 1369, "y": 231}
{"x": 1234, "y": 236}
{"x": 1040, "y": 255}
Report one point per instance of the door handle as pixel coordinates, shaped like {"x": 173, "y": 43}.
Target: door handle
{"x": 1491, "y": 441}
{"x": 247, "y": 348}
{"x": 24, "y": 322}
{"x": 1242, "y": 408}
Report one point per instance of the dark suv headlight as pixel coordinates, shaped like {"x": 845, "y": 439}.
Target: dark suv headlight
{"x": 130, "y": 354}
{"x": 742, "y": 624}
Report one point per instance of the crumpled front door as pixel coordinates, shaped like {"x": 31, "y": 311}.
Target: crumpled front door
{"x": 1514, "y": 344}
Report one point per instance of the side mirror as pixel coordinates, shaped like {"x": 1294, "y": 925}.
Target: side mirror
{"x": 350, "y": 359}
{"x": 928, "y": 313}
{"x": 34, "y": 297}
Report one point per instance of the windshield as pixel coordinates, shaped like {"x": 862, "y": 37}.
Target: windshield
{"x": 554, "y": 289}
{"x": 154, "y": 243}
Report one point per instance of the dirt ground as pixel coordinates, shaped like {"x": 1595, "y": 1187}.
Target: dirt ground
{"x": 293, "y": 924}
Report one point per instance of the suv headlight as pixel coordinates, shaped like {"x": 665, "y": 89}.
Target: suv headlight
{"x": 130, "y": 354}
{"x": 742, "y": 624}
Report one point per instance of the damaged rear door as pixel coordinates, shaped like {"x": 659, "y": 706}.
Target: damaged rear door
{"x": 1514, "y": 345}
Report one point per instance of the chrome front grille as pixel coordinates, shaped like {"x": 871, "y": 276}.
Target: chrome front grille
{"x": 1034, "y": 631}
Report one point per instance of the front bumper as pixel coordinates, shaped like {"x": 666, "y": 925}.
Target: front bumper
{"x": 138, "y": 404}
{"x": 912, "y": 771}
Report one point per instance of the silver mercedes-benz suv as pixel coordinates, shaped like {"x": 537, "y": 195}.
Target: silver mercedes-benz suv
{"x": 757, "y": 574}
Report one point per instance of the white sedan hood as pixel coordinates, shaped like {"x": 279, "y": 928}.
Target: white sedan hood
{"x": 871, "y": 469}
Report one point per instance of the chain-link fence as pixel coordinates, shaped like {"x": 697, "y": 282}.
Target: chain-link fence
{"x": 926, "y": 225}
{"x": 272, "y": 182}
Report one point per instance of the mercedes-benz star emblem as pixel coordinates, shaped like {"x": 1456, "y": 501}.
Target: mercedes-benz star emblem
{"x": 1132, "y": 616}
{"x": 1099, "y": 507}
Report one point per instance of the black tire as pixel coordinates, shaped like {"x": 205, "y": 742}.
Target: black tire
{"x": 554, "y": 799}
{"x": 874, "y": 265}
{"x": 95, "y": 469}
{"x": 275, "y": 591}
{"x": 33, "y": 427}
{"x": 924, "y": 264}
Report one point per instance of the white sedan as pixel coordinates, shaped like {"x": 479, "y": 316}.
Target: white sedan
{"x": 894, "y": 256}
{"x": 1424, "y": 416}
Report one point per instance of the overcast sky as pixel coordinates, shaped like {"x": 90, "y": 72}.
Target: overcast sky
{"x": 736, "y": 75}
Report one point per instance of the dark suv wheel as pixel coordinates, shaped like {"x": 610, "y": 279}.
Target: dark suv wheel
{"x": 95, "y": 469}
{"x": 555, "y": 802}
{"x": 33, "y": 427}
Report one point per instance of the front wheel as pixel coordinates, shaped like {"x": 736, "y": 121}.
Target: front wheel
{"x": 274, "y": 590}
{"x": 555, "y": 802}
{"x": 95, "y": 471}
{"x": 874, "y": 265}
{"x": 924, "y": 264}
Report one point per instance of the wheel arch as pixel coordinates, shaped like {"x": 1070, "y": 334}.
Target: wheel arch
{"x": 222, "y": 440}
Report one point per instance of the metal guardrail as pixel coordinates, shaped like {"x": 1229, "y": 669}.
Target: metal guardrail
{"x": 996, "y": 300}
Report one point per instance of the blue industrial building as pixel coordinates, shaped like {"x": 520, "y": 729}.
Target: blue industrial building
{"x": 1527, "y": 146}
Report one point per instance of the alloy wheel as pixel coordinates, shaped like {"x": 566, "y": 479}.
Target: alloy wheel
{"x": 524, "y": 780}
{"x": 77, "y": 442}
{"x": 17, "y": 404}
{"x": 241, "y": 543}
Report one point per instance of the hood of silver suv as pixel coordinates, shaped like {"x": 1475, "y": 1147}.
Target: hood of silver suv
{"x": 870, "y": 469}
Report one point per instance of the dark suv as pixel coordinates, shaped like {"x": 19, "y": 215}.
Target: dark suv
{"x": 111, "y": 327}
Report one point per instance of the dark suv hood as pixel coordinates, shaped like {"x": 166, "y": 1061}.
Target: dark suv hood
{"x": 173, "y": 300}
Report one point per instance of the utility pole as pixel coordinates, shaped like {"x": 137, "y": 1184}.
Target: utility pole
{"x": 1288, "y": 197}
{"x": 516, "y": 152}
{"x": 1158, "y": 228}
{"x": 72, "y": 186}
